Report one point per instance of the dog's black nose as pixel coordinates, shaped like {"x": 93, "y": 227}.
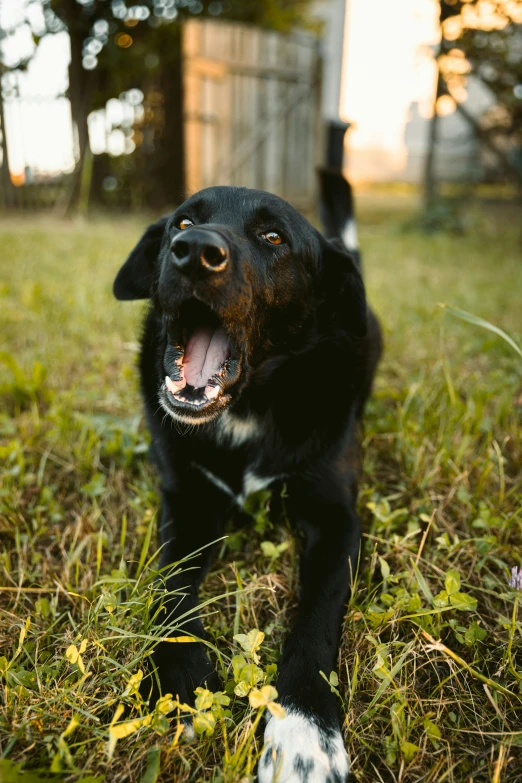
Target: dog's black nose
{"x": 199, "y": 249}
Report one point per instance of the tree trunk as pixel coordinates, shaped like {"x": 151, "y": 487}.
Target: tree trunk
{"x": 81, "y": 84}
{"x": 79, "y": 91}
{"x": 7, "y": 189}
{"x": 430, "y": 178}
{"x": 170, "y": 163}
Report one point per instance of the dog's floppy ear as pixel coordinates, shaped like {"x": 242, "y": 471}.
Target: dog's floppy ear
{"x": 135, "y": 278}
{"x": 345, "y": 297}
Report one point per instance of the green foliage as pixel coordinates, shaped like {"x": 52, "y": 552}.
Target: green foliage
{"x": 441, "y": 215}
{"x": 484, "y": 41}
{"x": 15, "y": 773}
{"x": 24, "y": 388}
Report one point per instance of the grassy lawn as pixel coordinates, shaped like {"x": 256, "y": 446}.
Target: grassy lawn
{"x": 430, "y": 674}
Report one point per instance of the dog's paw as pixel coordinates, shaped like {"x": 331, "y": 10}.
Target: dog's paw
{"x": 298, "y": 750}
{"x": 180, "y": 673}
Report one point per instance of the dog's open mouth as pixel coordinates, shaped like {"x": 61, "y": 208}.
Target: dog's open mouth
{"x": 200, "y": 361}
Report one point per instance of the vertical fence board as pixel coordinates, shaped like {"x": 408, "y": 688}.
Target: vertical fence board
{"x": 252, "y": 102}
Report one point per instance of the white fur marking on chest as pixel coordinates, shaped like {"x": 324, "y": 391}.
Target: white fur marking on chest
{"x": 298, "y": 750}
{"x": 253, "y": 483}
{"x": 237, "y": 430}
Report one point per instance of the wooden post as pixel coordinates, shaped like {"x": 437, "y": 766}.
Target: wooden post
{"x": 332, "y": 13}
{"x": 172, "y": 143}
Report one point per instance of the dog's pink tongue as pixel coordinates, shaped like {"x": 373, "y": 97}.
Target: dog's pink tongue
{"x": 206, "y": 351}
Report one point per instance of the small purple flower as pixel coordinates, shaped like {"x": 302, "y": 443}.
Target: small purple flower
{"x": 516, "y": 578}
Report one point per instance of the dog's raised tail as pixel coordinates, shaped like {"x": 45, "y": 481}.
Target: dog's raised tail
{"x": 337, "y": 211}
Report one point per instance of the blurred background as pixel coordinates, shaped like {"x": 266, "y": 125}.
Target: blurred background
{"x": 131, "y": 105}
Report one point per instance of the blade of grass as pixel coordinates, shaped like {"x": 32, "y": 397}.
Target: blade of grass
{"x": 478, "y": 321}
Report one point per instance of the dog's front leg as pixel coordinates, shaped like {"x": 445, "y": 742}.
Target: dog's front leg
{"x": 192, "y": 517}
{"x": 307, "y": 744}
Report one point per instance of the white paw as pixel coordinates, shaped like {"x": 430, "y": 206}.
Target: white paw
{"x": 298, "y": 750}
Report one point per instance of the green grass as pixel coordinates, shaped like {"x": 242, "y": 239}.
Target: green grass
{"x": 431, "y": 661}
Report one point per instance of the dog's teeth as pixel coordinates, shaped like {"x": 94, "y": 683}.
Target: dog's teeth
{"x": 211, "y": 392}
{"x": 174, "y": 386}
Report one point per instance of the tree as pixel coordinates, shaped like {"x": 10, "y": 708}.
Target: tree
{"x": 117, "y": 45}
{"x": 483, "y": 38}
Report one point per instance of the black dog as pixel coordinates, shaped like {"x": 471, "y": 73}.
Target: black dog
{"x": 259, "y": 336}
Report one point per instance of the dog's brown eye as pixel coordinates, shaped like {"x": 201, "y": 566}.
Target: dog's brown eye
{"x": 273, "y": 237}
{"x": 185, "y": 223}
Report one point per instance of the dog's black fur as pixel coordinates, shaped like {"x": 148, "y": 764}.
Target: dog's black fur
{"x": 283, "y": 408}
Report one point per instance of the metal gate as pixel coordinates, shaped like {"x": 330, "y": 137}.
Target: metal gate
{"x": 252, "y": 109}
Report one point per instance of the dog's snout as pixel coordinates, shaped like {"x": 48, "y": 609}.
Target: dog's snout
{"x": 199, "y": 249}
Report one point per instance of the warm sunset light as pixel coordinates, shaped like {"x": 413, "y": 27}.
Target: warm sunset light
{"x": 384, "y": 74}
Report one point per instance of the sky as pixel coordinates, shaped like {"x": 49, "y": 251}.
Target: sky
{"x": 39, "y": 128}
{"x": 386, "y": 67}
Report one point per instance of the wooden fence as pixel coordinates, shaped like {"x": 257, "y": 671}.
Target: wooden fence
{"x": 252, "y": 109}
